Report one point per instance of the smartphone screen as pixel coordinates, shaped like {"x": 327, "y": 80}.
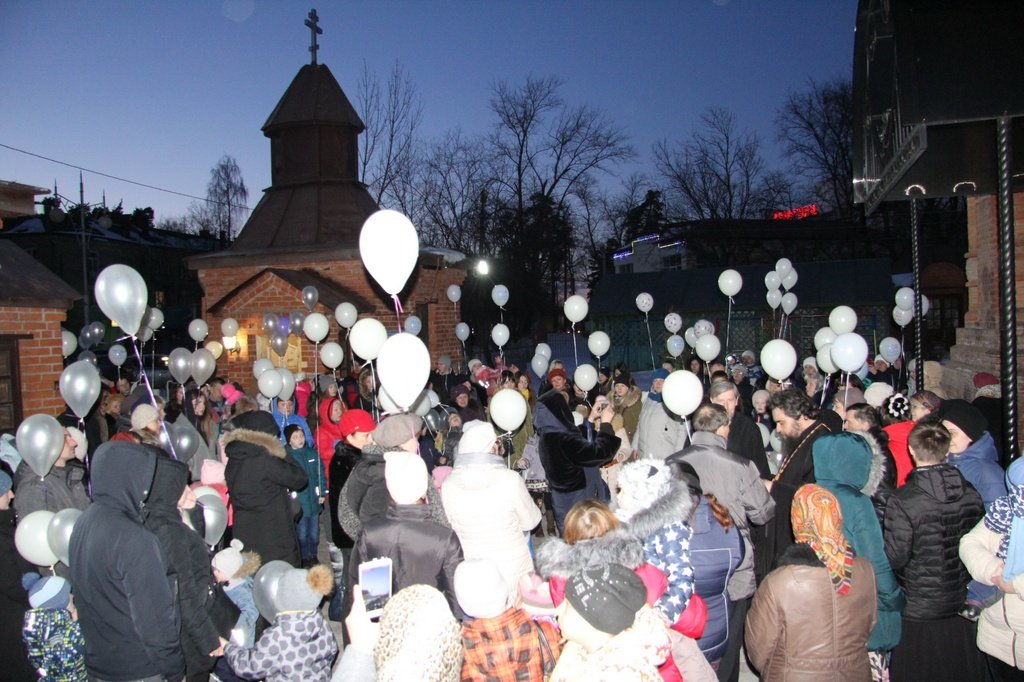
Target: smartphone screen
{"x": 375, "y": 581}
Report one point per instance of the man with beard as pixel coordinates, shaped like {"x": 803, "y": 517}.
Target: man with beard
{"x": 744, "y": 436}
{"x": 798, "y": 424}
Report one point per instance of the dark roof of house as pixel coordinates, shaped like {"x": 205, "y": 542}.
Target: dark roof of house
{"x": 165, "y": 239}
{"x": 25, "y": 282}
{"x": 314, "y": 96}
{"x": 331, "y": 293}
{"x": 819, "y": 285}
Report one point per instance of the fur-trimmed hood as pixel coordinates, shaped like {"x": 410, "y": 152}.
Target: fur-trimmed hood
{"x": 251, "y": 563}
{"x": 632, "y": 397}
{"x": 675, "y": 506}
{"x": 271, "y": 444}
{"x": 878, "y": 460}
{"x": 557, "y": 558}
{"x": 850, "y": 458}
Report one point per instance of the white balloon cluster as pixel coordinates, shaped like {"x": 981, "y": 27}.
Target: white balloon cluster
{"x": 903, "y": 312}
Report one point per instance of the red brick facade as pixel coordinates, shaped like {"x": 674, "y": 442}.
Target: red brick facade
{"x": 39, "y": 356}
{"x": 269, "y": 293}
{"x": 977, "y": 347}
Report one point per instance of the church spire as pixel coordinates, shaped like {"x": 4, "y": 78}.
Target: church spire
{"x": 313, "y": 22}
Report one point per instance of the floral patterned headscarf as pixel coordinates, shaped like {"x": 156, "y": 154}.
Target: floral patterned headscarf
{"x": 818, "y": 522}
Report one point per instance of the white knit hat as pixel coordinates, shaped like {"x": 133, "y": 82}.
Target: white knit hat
{"x": 480, "y": 588}
{"x": 477, "y": 437}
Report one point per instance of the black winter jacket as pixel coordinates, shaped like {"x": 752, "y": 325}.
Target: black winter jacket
{"x": 745, "y": 441}
{"x": 124, "y": 586}
{"x": 422, "y": 551}
{"x": 564, "y": 451}
{"x": 186, "y": 553}
{"x": 259, "y": 475}
{"x": 13, "y": 604}
{"x": 924, "y": 521}
{"x": 342, "y": 464}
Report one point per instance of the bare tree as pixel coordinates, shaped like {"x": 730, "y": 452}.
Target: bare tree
{"x": 815, "y": 127}
{"x": 453, "y": 191}
{"x": 718, "y": 172}
{"x": 226, "y": 197}
{"x": 389, "y": 149}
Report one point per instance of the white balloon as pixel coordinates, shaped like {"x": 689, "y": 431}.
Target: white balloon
{"x": 543, "y": 349}
{"x": 925, "y": 305}
{"x": 68, "y": 342}
{"x": 331, "y": 354}
{"x": 772, "y": 281}
{"x": 778, "y": 358}
{"x": 823, "y": 336}
{"x": 849, "y": 352}
{"x": 673, "y": 322}
{"x": 433, "y": 399}
{"x": 905, "y": 298}
{"x": 270, "y": 383}
{"x": 261, "y": 366}
{"x": 387, "y": 402}
{"x": 31, "y": 541}
{"x": 598, "y": 343}
{"x": 824, "y": 358}
{"x": 507, "y": 409}
{"x": 789, "y": 281}
{"x": 575, "y": 308}
{"x": 413, "y": 325}
{"x": 154, "y": 318}
{"x": 462, "y": 331}
{"x": 80, "y": 387}
{"x": 454, "y": 293}
{"x": 902, "y": 317}
{"x": 774, "y": 298}
{"x": 499, "y": 334}
{"x": 421, "y": 405}
{"x": 585, "y": 377}
{"x": 315, "y": 327}
{"x": 202, "y": 365}
{"x": 645, "y": 302}
{"x": 229, "y": 327}
{"x": 499, "y": 294}
{"x": 117, "y": 355}
{"x": 675, "y": 345}
{"x": 789, "y": 301}
{"x": 690, "y": 336}
{"x": 842, "y": 320}
{"x": 346, "y": 315}
{"x": 890, "y": 349}
{"x": 702, "y": 328}
{"x": 708, "y": 347}
{"x": 730, "y": 282}
{"x": 682, "y": 392}
{"x": 783, "y": 266}
{"x": 216, "y": 348}
{"x": 366, "y": 338}
{"x": 403, "y": 367}
{"x": 539, "y": 365}
{"x": 389, "y": 247}
{"x": 287, "y": 383}
{"x": 198, "y": 330}
{"x": 121, "y": 294}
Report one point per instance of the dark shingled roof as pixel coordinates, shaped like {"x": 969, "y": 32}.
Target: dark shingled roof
{"x": 25, "y": 282}
{"x": 822, "y": 284}
{"x": 331, "y": 293}
{"x": 314, "y": 96}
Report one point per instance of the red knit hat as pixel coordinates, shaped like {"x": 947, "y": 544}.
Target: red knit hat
{"x": 356, "y": 421}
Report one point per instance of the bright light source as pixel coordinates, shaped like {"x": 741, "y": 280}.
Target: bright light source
{"x": 482, "y": 268}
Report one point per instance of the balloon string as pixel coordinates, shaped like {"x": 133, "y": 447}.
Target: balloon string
{"x": 728, "y": 326}
{"x": 575, "y": 356}
{"x": 650, "y": 340}
{"x": 398, "y": 310}
{"x": 463, "y": 353}
{"x": 152, "y": 399}
{"x": 373, "y": 385}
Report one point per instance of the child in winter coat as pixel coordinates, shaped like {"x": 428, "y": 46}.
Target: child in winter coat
{"x": 311, "y": 498}
{"x": 237, "y": 568}
{"x": 300, "y": 644}
{"x": 52, "y": 635}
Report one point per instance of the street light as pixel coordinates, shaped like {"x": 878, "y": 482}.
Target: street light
{"x": 57, "y": 215}
{"x": 482, "y": 268}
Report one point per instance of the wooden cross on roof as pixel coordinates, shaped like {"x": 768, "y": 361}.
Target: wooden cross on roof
{"x": 313, "y": 23}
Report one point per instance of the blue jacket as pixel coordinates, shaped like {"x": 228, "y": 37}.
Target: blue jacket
{"x": 979, "y": 464}
{"x": 283, "y": 421}
{"x": 850, "y": 466}
{"x": 714, "y": 554}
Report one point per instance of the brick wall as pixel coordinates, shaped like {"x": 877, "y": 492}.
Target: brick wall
{"x": 268, "y": 293}
{"x": 977, "y": 346}
{"x": 39, "y": 356}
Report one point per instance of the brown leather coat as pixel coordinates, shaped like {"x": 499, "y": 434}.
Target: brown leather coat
{"x": 799, "y": 629}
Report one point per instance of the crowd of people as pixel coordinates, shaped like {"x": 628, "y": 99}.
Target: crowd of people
{"x": 818, "y": 528}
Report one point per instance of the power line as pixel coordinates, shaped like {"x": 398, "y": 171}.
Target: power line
{"x": 120, "y": 179}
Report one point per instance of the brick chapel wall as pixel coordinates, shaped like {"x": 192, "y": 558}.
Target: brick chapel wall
{"x": 977, "y": 341}
{"x": 40, "y": 362}
{"x": 271, "y": 294}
